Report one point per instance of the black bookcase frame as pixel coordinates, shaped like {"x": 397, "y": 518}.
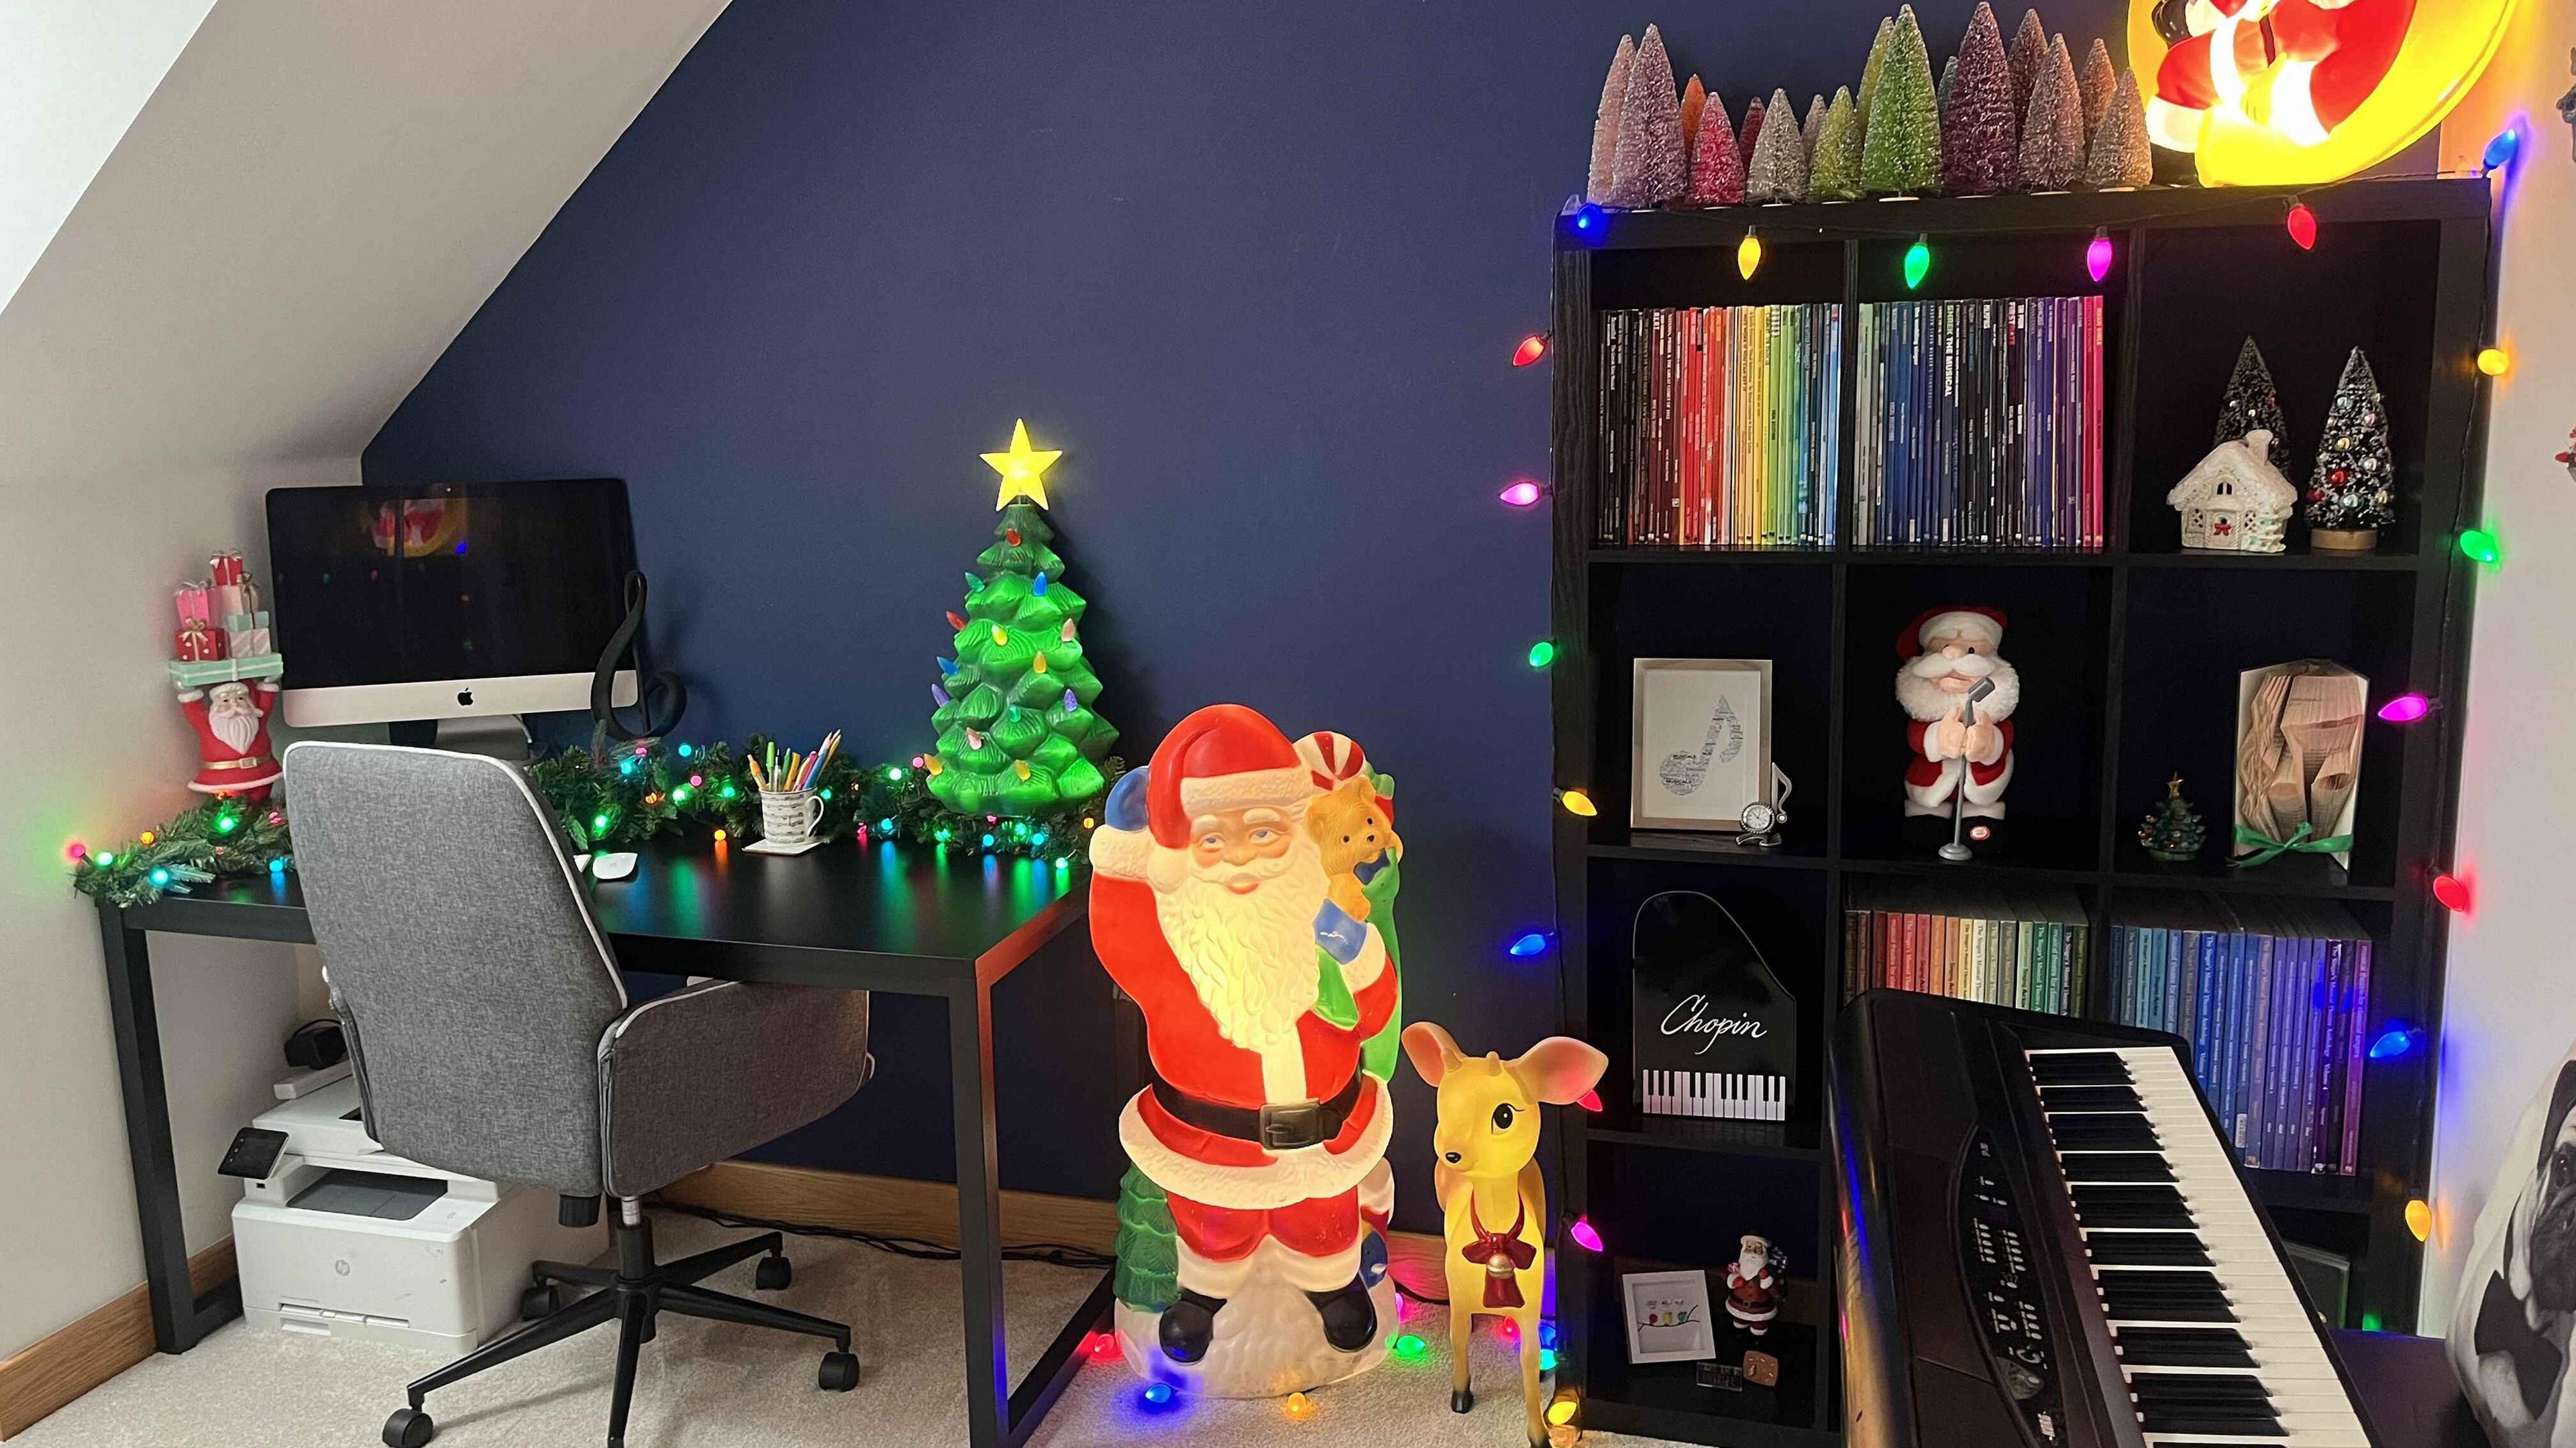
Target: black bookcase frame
{"x": 2403, "y": 268}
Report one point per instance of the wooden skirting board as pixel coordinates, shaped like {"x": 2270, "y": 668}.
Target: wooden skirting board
{"x": 56, "y": 1369}
{"x": 902, "y": 1207}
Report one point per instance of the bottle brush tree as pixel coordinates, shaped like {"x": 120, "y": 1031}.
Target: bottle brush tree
{"x": 1980, "y": 132}
{"x": 2052, "y": 130}
{"x": 1649, "y": 167}
{"x": 1901, "y": 141}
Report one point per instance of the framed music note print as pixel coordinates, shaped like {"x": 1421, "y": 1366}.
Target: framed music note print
{"x": 1700, "y": 744}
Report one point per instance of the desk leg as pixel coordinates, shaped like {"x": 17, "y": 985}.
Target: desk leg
{"x": 179, "y": 1319}
{"x": 979, "y": 1215}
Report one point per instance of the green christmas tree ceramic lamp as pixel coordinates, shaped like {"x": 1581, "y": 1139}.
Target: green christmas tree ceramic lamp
{"x": 1016, "y": 730}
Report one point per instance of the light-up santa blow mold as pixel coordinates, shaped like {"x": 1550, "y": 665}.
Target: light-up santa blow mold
{"x": 1251, "y": 1248}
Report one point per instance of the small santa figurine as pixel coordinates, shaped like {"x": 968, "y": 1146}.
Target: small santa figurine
{"x": 1753, "y": 1285}
{"x": 1948, "y": 652}
{"x": 231, "y": 720}
{"x": 1210, "y": 907}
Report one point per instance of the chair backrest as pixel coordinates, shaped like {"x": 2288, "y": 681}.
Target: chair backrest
{"x": 463, "y": 959}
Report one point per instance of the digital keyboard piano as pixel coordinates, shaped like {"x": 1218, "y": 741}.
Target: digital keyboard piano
{"x": 2044, "y": 1241}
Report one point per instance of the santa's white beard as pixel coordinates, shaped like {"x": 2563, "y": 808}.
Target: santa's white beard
{"x": 235, "y": 722}
{"x": 1252, "y": 957}
{"x": 1926, "y": 700}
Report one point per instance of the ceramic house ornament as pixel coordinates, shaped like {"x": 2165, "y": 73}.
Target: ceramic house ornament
{"x": 1251, "y": 1247}
{"x": 2235, "y": 500}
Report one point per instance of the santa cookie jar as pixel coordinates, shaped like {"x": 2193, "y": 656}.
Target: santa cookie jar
{"x": 1959, "y": 695}
{"x": 1251, "y": 1250}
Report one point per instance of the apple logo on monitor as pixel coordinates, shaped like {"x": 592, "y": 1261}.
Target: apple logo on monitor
{"x": 465, "y": 698}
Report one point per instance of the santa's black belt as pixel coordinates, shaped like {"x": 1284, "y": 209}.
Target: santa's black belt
{"x": 1286, "y": 1126}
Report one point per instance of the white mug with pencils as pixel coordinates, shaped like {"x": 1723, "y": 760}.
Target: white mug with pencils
{"x": 790, "y": 808}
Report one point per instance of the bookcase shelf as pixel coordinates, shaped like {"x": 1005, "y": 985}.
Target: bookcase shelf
{"x": 2129, "y": 655}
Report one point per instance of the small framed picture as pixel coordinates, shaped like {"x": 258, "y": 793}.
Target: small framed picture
{"x": 1668, "y": 1317}
{"x": 1700, "y": 746}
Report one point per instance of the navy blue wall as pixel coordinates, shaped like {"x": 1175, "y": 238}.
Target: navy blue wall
{"x": 1258, "y": 270}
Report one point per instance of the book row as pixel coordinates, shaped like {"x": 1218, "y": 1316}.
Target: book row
{"x": 1721, "y": 426}
{"x": 1980, "y": 424}
{"x": 2275, "y": 999}
{"x": 2031, "y": 950}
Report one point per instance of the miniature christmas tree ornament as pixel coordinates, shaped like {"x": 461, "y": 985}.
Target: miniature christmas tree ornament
{"x": 1836, "y": 176}
{"x": 1901, "y": 140}
{"x": 2120, "y": 158}
{"x": 2173, "y": 831}
{"x": 1717, "y": 167}
{"x": 2234, "y": 500}
{"x": 2052, "y": 129}
{"x": 1980, "y": 128}
{"x": 2353, "y": 486}
{"x": 1493, "y": 1202}
{"x": 1779, "y": 170}
{"x": 1605, "y": 122}
{"x": 1649, "y": 166}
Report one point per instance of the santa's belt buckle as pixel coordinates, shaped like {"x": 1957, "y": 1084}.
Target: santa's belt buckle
{"x": 1292, "y": 1125}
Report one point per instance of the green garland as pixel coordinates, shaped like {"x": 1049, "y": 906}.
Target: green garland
{"x": 222, "y": 837}
{"x": 630, "y": 794}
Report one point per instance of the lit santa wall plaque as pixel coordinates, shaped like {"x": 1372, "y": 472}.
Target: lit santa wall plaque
{"x": 2288, "y": 92}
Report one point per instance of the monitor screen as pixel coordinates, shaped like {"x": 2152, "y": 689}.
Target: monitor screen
{"x": 447, "y": 581}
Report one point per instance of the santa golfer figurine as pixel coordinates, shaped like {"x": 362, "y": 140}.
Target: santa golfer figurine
{"x": 1948, "y": 652}
{"x": 1251, "y": 1257}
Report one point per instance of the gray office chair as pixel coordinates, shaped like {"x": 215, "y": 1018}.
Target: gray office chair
{"x": 492, "y": 1036}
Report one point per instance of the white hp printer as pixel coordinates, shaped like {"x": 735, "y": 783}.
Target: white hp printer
{"x": 338, "y": 1237}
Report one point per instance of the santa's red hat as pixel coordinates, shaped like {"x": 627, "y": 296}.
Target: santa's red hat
{"x": 1986, "y": 625}
{"x": 1225, "y": 756}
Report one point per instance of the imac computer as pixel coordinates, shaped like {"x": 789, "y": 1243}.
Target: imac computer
{"x": 447, "y": 601}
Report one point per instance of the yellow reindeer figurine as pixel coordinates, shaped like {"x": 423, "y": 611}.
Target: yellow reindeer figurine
{"x": 1493, "y": 1203}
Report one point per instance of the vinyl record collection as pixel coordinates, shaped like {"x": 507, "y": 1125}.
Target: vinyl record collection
{"x": 1721, "y": 426}
{"x": 1980, "y": 424}
{"x": 2029, "y": 949}
{"x": 2275, "y": 998}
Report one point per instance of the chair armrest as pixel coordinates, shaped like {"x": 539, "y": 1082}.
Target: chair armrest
{"x": 709, "y": 1072}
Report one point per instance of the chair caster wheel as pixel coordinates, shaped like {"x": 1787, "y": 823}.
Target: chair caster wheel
{"x": 839, "y": 1374}
{"x": 409, "y": 1428}
{"x": 773, "y": 1274}
{"x": 542, "y": 1300}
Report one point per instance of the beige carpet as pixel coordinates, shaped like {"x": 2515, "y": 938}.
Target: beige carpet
{"x": 706, "y": 1385}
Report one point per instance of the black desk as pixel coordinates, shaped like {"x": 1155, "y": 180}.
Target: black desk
{"x": 874, "y": 918}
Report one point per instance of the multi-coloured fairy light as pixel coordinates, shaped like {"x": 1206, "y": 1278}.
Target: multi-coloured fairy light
{"x": 1748, "y": 255}
{"x": 2453, "y": 892}
{"x": 1528, "y": 944}
{"x": 1532, "y": 348}
{"x": 2302, "y": 224}
{"x": 1542, "y": 654}
{"x": 1918, "y": 263}
{"x": 1576, "y": 802}
{"x": 2494, "y": 361}
{"x": 2394, "y": 1042}
{"x": 1583, "y": 1234}
{"x": 2405, "y": 709}
{"x": 1522, "y": 493}
{"x": 2502, "y": 149}
{"x": 2097, "y": 256}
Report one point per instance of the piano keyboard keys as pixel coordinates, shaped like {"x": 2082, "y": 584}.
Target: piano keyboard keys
{"x": 2215, "y": 1345}
{"x": 1724, "y": 1095}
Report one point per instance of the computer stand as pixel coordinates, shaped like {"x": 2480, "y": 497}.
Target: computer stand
{"x": 502, "y": 736}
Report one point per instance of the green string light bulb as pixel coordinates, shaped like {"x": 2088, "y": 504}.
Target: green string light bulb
{"x": 2480, "y": 545}
{"x": 1918, "y": 263}
{"x": 1542, "y": 654}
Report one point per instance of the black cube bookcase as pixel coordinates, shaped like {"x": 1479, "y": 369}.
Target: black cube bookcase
{"x": 2129, "y": 656}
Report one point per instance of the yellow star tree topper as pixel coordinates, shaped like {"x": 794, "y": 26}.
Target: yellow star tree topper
{"x": 1023, "y": 468}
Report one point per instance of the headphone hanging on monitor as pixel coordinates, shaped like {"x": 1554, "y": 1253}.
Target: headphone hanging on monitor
{"x": 653, "y": 693}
